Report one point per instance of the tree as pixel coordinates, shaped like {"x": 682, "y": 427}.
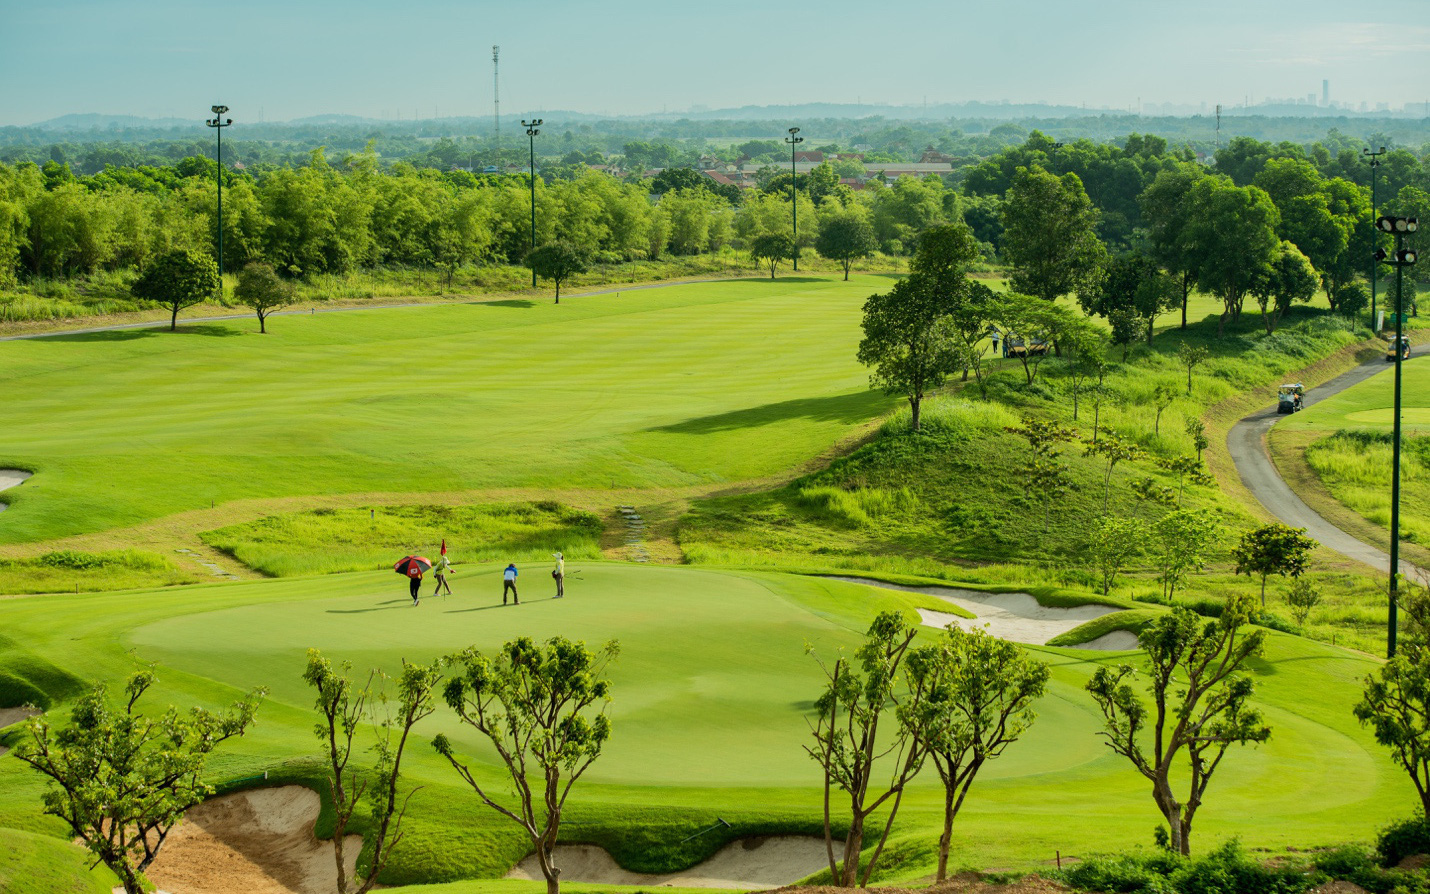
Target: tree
{"x": 1084, "y": 352}
{"x": 178, "y": 279}
{"x": 120, "y": 780}
{"x": 771, "y": 248}
{"x": 1131, "y": 293}
{"x": 533, "y": 705}
{"x": 1273, "y": 549}
{"x": 1045, "y": 474}
{"x": 1050, "y": 234}
{"x": 1302, "y": 599}
{"x": 847, "y": 744}
{"x": 1037, "y": 323}
{"x": 1396, "y": 706}
{"x": 1162, "y": 397}
{"x": 1231, "y": 232}
{"x": 1182, "y": 541}
{"x": 845, "y": 238}
{"x": 1291, "y": 278}
{"x": 1114, "y": 544}
{"x": 1166, "y": 209}
{"x": 1115, "y": 450}
{"x": 979, "y": 700}
{"x": 343, "y": 711}
{"x": 1199, "y": 706}
{"x": 907, "y": 341}
{"x": 558, "y": 260}
{"x": 1191, "y": 357}
{"x": 1187, "y": 470}
{"x": 1196, "y": 429}
{"x": 260, "y": 288}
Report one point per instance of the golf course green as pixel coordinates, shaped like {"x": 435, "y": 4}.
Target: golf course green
{"x": 711, "y": 694}
{"x": 1368, "y": 405}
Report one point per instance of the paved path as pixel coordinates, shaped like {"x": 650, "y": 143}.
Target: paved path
{"x": 1247, "y": 444}
{"x": 159, "y": 324}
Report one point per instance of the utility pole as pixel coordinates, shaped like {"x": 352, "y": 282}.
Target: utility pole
{"x": 793, "y": 193}
{"x": 218, "y": 124}
{"x": 531, "y": 132}
{"x": 496, "y": 104}
{"x": 1218, "y": 125}
{"x": 1374, "y": 264}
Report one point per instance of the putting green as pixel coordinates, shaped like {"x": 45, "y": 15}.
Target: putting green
{"x": 711, "y": 694}
{"x": 1368, "y": 405}
{"x": 662, "y": 387}
{"x": 1383, "y": 417}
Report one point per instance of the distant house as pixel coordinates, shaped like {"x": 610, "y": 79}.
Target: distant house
{"x": 811, "y": 156}
{"x": 933, "y": 156}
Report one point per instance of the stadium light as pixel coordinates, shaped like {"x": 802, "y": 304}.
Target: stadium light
{"x": 793, "y": 194}
{"x": 218, "y": 123}
{"x": 531, "y": 132}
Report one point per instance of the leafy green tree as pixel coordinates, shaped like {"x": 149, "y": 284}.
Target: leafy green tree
{"x": 845, "y": 238}
{"x": 1291, "y": 278}
{"x": 1187, "y": 470}
{"x": 178, "y": 279}
{"x": 260, "y": 288}
{"x": 1232, "y": 234}
{"x": 908, "y": 341}
{"x": 771, "y": 248}
{"x": 1045, "y": 475}
{"x": 1085, "y": 353}
{"x": 1200, "y": 707}
{"x": 979, "y": 695}
{"x": 1303, "y": 597}
{"x": 1131, "y": 293}
{"x": 121, "y": 780}
{"x": 1050, "y": 235}
{"x": 1037, "y": 323}
{"x": 1196, "y": 429}
{"x": 1191, "y": 357}
{"x": 1167, "y": 210}
{"x": 1115, "y": 543}
{"x": 1163, "y": 395}
{"x": 847, "y": 742}
{"x": 535, "y": 707}
{"x": 556, "y": 261}
{"x": 1273, "y": 549}
{"x": 1182, "y": 542}
{"x": 344, "y": 710}
{"x": 1114, "y": 450}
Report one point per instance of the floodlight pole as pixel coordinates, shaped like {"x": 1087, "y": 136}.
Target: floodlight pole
{"x": 531, "y": 132}
{"x": 218, "y": 123}
{"x": 1374, "y": 158}
{"x": 1400, "y": 259}
{"x": 794, "y": 194}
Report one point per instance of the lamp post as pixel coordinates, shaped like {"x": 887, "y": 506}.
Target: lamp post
{"x": 1400, "y": 258}
{"x": 1374, "y": 158}
{"x": 531, "y": 132}
{"x": 218, "y": 123}
{"x": 793, "y": 194}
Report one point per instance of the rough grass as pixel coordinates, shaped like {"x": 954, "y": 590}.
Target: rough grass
{"x": 63, "y": 571}
{"x": 1355, "y": 466}
{"x": 326, "y": 541}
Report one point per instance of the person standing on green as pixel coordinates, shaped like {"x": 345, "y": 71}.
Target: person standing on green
{"x": 559, "y": 573}
{"x": 444, "y": 566}
{"x": 508, "y": 583}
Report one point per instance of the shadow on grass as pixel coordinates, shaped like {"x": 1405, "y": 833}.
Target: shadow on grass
{"x": 507, "y": 302}
{"x": 482, "y": 608}
{"x": 207, "y": 330}
{"x": 380, "y": 607}
{"x": 849, "y": 409}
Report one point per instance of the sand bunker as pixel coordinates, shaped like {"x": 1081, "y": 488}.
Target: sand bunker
{"x": 1017, "y": 617}
{"x": 8, "y": 479}
{"x": 10, "y": 716}
{"x": 254, "y": 842}
{"x": 1115, "y": 641}
{"x": 749, "y": 863}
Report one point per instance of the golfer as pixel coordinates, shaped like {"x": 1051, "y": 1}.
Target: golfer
{"x": 414, "y": 581}
{"x": 508, "y": 582}
{"x": 559, "y": 574}
{"x": 441, "y": 571}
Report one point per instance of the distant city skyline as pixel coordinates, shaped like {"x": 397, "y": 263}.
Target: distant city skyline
{"x": 432, "y": 58}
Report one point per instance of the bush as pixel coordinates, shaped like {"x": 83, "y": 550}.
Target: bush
{"x": 1403, "y": 839}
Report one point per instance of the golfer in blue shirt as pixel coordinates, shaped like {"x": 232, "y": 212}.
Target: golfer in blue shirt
{"x": 508, "y": 579}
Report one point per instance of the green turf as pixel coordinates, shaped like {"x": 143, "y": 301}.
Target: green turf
{"x": 711, "y": 694}
{"x": 1368, "y": 405}
{"x": 39, "y": 864}
{"x": 681, "y": 385}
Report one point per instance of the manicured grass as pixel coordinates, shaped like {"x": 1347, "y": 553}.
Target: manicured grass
{"x": 683, "y": 385}
{"x": 711, "y": 694}
{"x": 1368, "y": 405}
{"x": 39, "y": 864}
{"x": 329, "y": 540}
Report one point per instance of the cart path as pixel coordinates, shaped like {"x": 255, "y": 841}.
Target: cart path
{"x": 1246, "y": 442}
{"x": 158, "y": 324}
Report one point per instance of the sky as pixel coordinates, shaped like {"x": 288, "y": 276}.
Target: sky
{"x": 275, "y": 61}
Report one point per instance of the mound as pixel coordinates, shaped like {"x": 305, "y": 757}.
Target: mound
{"x": 1012, "y": 616}
{"x": 749, "y": 863}
{"x": 254, "y": 842}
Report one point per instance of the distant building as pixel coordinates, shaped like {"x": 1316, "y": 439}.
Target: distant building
{"x": 811, "y": 156}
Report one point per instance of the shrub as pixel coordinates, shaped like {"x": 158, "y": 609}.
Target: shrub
{"x": 1403, "y": 839}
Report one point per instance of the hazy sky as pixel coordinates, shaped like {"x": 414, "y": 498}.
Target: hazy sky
{"x": 281, "y": 60}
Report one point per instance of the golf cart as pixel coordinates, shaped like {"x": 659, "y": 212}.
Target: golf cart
{"x": 1015, "y": 346}
{"x": 1288, "y": 398}
{"x": 1404, "y": 349}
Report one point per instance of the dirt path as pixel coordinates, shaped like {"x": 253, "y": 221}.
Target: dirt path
{"x": 747, "y": 864}
{"x": 1016, "y": 617}
{"x": 1246, "y": 442}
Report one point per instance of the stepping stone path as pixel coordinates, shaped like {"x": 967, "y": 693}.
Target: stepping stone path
{"x": 635, "y": 533}
{"x": 215, "y": 570}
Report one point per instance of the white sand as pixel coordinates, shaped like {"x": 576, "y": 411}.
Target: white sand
{"x": 1017, "y": 617}
{"x": 1115, "y": 641}
{"x": 749, "y": 863}
{"x": 10, "y": 478}
{"x": 254, "y": 842}
{"x": 10, "y": 716}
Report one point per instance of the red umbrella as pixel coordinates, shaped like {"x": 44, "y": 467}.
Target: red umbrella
{"x": 413, "y": 566}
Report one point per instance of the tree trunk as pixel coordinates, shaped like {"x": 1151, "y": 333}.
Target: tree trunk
{"x": 1186, "y": 293}
{"x": 1263, "y": 592}
{"x": 853, "y": 845}
{"x": 262, "y": 323}
{"x": 945, "y": 841}
{"x": 174, "y": 319}
{"x": 558, "y": 291}
{"x": 846, "y": 271}
{"x": 914, "y": 412}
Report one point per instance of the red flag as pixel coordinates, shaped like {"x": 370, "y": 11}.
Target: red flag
{"x": 444, "y": 546}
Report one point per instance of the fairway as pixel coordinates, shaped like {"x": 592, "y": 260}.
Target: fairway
{"x": 685, "y": 385}
{"x": 1368, "y": 405}
{"x": 711, "y": 694}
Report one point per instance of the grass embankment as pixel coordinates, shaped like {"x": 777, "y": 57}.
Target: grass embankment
{"x": 71, "y": 570}
{"x": 40, "y": 864}
{"x": 950, "y": 503}
{"x": 711, "y": 696}
{"x": 325, "y": 541}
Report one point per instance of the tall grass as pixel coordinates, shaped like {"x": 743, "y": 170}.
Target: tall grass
{"x": 1355, "y": 466}
{"x": 69, "y": 571}
{"x": 328, "y": 541}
